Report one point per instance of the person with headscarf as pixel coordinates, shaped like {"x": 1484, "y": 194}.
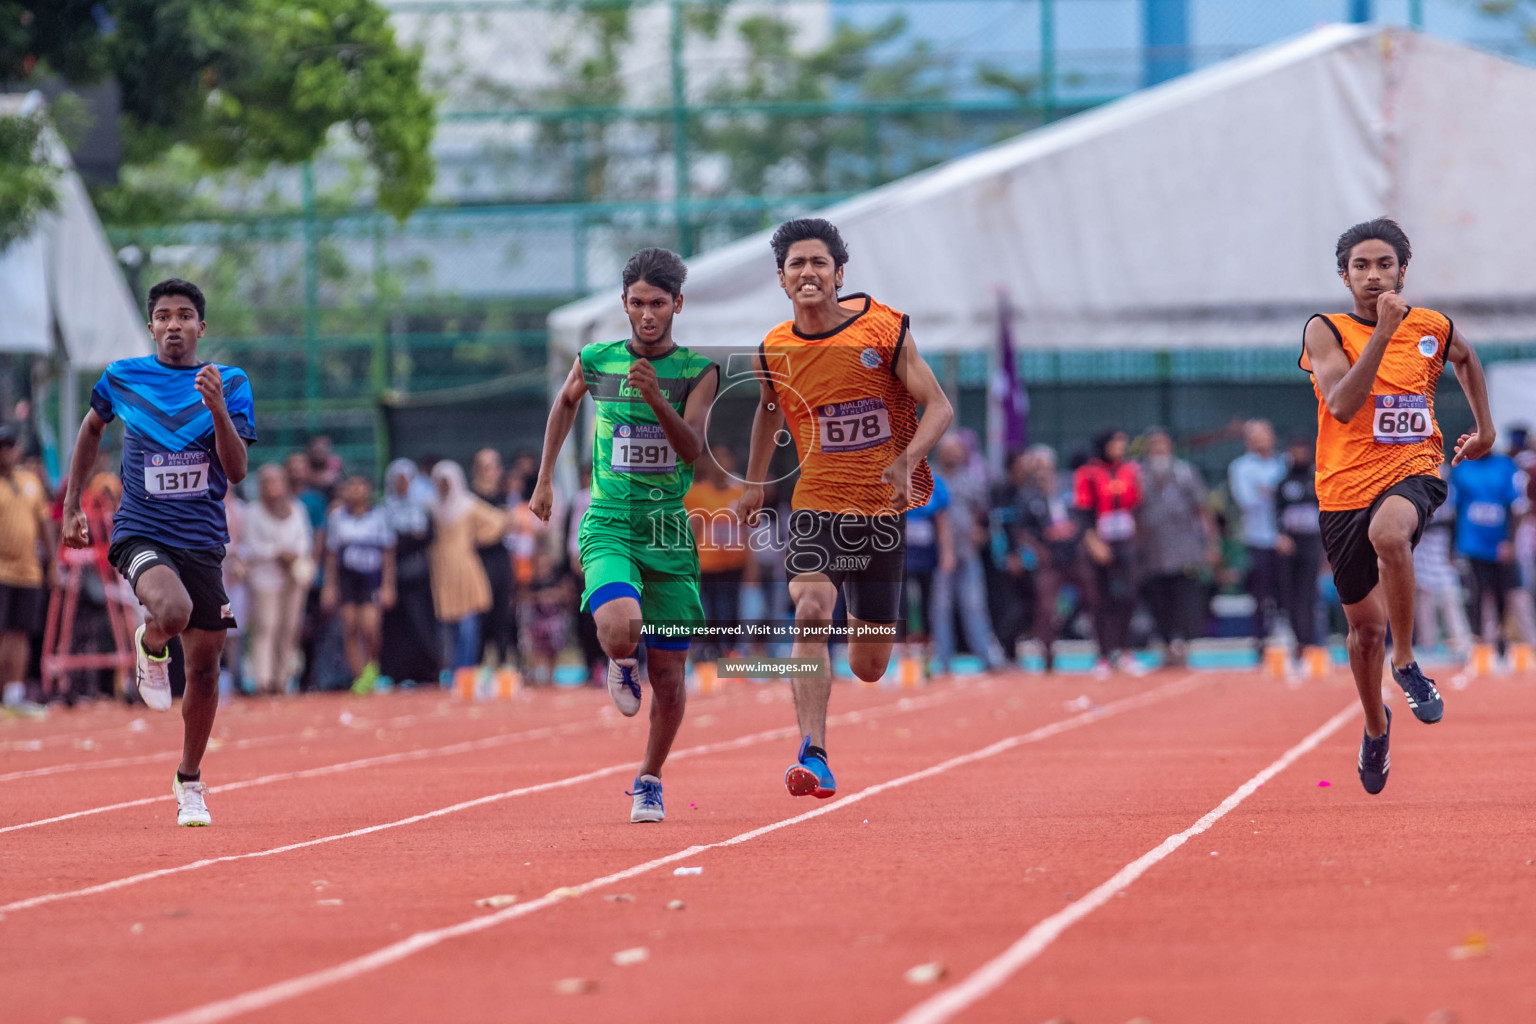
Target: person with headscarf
{"x": 460, "y": 591}
{"x": 1107, "y": 491}
{"x": 409, "y": 648}
{"x": 1177, "y": 539}
{"x": 498, "y": 626}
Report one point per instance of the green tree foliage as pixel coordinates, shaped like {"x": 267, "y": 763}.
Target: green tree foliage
{"x": 27, "y": 179}
{"x": 1522, "y": 12}
{"x": 819, "y": 153}
{"x": 243, "y": 83}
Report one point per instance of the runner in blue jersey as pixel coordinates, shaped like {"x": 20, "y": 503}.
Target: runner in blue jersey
{"x": 186, "y": 425}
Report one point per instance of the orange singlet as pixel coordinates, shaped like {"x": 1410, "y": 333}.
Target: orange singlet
{"x": 849, "y": 413}
{"x": 1394, "y": 434}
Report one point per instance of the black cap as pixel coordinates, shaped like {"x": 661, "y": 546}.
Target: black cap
{"x": 9, "y": 434}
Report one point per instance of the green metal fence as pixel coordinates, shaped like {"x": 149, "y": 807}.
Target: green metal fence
{"x": 686, "y": 123}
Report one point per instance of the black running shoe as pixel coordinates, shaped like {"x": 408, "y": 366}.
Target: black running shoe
{"x": 1376, "y": 759}
{"x": 1423, "y": 698}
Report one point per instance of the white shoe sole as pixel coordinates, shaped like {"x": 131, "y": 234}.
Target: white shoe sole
{"x": 643, "y": 817}
{"x": 627, "y": 703}
{"x": 157, "y": 697}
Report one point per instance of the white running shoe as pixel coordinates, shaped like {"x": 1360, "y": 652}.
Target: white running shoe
{"x": 191, "y": 802}
{"x": 624, "y": 685}
{"x": 153, "y": 674}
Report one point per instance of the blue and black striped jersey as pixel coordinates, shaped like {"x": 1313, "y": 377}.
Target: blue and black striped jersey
{"x": 173, "y": 483}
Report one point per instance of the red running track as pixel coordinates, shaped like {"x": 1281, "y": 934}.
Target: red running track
{"x": 1098, "y": 866}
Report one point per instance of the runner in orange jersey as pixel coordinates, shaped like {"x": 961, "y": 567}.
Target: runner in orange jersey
{"x": 1379, "y": 449}
{"x": 846, "y": 376}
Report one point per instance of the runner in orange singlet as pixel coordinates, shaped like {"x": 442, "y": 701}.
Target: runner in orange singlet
{"x": 846, "y": 376}
{"x": 1379, "y": 449}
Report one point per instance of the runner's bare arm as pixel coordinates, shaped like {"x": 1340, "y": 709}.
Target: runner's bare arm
{"x": 76, "y": 531}
{"x": 561, "y": 416}
{"x": 767, "y": 421}
{"x": 686, "y": 432}
{"x": 1469, "y": 373}
{"x": 914, "y": 372}
{"x": 1345, "y": 389}
{"x": 227, "y": 442}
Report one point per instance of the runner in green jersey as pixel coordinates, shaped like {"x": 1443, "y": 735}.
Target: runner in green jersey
{"x": 637, "y": 550}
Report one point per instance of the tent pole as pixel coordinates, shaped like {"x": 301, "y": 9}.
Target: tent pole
{"x": 1047, "y": 60}
{"x": 69, "y": 414}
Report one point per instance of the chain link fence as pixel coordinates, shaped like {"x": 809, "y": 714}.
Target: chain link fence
{"x": 572, "y": 133}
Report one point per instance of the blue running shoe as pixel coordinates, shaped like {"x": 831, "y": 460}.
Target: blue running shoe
{"x": 647, "y": 794}
{"x": 810, "y": 776}
{"x": 1376, "y": 759}
{"x": 1423, "y": 698}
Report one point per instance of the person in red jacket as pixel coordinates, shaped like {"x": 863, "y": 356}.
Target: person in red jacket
{"x": 1107, "y": 489}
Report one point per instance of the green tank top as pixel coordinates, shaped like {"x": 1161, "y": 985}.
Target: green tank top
{"x": 633, "y": 463}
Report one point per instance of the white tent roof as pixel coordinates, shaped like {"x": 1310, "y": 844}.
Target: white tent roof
{"x": 66, "y": 274}
{"x": 1201, "y": 213}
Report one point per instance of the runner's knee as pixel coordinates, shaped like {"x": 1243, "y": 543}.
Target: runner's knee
{"x": 867, "y": 665}
{"x": 813, "y": 606}
{"x": 1368, "y": 635}
{"x": 171, "y": 612}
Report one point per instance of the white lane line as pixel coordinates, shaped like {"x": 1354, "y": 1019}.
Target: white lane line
{"x": 344, "y": 766}
{"x": 359, "y": 725}
{"x": 283, "y": 991}
{"x": 396, "y": 757}
{"x": 991, "y": 975}
{"x": 785, "y": 732}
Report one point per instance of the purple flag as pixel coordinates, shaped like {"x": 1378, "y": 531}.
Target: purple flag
{"x": 1007, "y": 389}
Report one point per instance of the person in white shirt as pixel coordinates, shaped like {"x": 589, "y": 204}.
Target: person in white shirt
{"x": 278, "y": 541}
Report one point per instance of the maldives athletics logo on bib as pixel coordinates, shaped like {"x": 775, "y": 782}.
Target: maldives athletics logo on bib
{"x": 622, "y": 430}
{"x": 1428, "y": 346}
{"x": 157, "y": 460}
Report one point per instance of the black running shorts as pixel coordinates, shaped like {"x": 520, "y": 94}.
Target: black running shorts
{"x": 864, "y": 556}
{"x": 1346, "y": 535}
{"x": 201, "y": 572}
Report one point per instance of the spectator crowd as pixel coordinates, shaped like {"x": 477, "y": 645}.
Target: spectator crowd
{"x": 1124, "y": 545}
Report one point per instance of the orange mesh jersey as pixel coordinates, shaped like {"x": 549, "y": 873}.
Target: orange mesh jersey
{"x": 1394, "y": 434}
{"x": 848, "y": 411}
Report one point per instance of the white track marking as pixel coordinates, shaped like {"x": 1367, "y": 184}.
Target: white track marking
{"x": 344, "y": 766}
{"x": 396, "y": 757}
{"x": 784, "y": 732}
{"x": 283, "y": 991}
{"x": 991, "y": 975}
{"x": 313, "y": 731}
{"x": 359, "y": 726}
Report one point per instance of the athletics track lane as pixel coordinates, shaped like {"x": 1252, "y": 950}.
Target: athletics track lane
{"x": 821, "y": 918}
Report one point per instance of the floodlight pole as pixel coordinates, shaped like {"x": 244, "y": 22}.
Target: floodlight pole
{"x": 311, "y": 301}
{"x": 1048, "y": 60}
{"x": 1416, "y": 14}
{"x": 680, "y": 135}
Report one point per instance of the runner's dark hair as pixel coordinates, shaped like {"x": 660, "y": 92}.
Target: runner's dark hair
{"x": 185, "y": 289}
{"x": 808, "y": 229}
{"x": 659, "y": 268}
{"x": 1382, "y": 229}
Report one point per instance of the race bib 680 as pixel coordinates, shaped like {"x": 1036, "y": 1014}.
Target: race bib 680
{"x": 1402, "y": 419}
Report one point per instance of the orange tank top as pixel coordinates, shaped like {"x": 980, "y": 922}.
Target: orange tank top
{"x": 1394, "y": 435}
{"x": 849, "y": 413}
